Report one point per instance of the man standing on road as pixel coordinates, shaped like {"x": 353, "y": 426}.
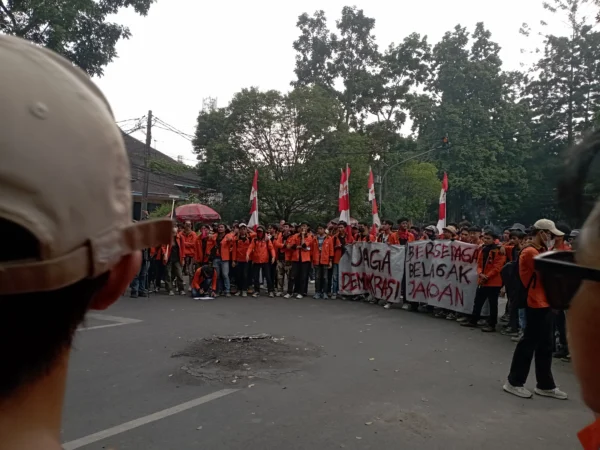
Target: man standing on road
{"x": 61, "y": 152}
{"x": 322, "y": 261}
{"x": 173, "y": 259}
{"x": 490, "y": 261}
{"x": 537, "y": 336}
{"x": 262, "y": 253}
{"x": 189, "y": 251}
{"x": 284, "y": 263}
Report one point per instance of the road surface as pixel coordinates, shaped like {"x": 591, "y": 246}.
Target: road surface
{"x": 331, "y": 374}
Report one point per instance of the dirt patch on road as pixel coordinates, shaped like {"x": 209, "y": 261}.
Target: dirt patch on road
{"x": 241, "y": 359}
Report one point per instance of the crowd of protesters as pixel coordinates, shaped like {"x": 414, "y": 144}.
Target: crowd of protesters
{"x": 284, "y": 258}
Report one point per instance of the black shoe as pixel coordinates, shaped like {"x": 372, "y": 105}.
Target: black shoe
{"x": 143, "y": 294}
{"x": 133, "y": 294}
{"x": 509, "y": 332}
{"x": 488, "y": 329}
{"x": 468, "y": 324}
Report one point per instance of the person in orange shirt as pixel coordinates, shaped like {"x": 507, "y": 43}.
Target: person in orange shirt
{"x": 173, "y": 260}
{"x": 301, "y": 244}
{"x": 189, "y": 239}
{"x": 490, "y": 261}
{"x": 241, "y": 244}
{"x": 537, "y": 336}
{"x": 404, "y": 236}
{"x": 204, "y": 282}
{"x": 340, "y": 240}
{"x": 364, "y": 234}
{"x": 156, "y": 262}
{"x": 221, "y": 245}
{"x": 262, "y": 253}
{"x": 284, "y": 259}
{"x": 322, "y": 260}
{"x": 385, "y": 235}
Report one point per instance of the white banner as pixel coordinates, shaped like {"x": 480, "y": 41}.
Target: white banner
{"x": 442, "y": 274}
{"x": 372, "y": 268}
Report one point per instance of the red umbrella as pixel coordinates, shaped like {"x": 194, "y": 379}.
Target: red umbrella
{"x": 196, "y": 213}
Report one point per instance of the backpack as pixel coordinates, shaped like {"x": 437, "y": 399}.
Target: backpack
{"x": 515, "y": 288}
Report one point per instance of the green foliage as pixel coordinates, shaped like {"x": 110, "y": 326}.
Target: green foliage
{"x": 508, "y": 131}
{"x": 78, "y": 29}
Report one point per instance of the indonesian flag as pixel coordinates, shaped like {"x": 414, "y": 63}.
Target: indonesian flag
{"x": 253, "y": 222}
{"x": 376, "y": 221}
{"x": 442, "y": 217}
{"x": 344, "y": 199}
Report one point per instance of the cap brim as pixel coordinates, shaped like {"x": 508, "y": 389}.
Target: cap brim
{"x": 556, "y": 232}
{"x": 98, "y": 256}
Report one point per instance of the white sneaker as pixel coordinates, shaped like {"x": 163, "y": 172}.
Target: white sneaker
{"x": 287, "y": 296}
{"x": 171, "y": 293}
{"x": 244, "y": 294}
{"x": 519, "y": 391}
{"x": 387, "y": 306}
{"x": 299, "y": 296}
{"x": 312, "y": 281}
{"x": 406, "y": 307}
{"x": 333, "y": 296}
{"x": 554, "y": 393}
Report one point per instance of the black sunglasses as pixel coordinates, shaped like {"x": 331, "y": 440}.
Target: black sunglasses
{"x": 561, "y": 277}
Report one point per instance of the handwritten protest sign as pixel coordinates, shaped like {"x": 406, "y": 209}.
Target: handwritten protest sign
{"x": 372, "y": 268}
{"x": 442, "y": 273}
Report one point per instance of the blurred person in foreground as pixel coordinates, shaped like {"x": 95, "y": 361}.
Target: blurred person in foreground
{"x": 572, "y": 281}
{"x": 64, "y": 257}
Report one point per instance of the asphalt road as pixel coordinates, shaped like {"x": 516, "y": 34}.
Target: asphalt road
{"x": 352, "y": 376}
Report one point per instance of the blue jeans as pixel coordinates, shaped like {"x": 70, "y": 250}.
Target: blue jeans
{"x": 522, "y": 318}
{"x": 335, "y": 279}
{"x": 205, "y": 286}
{"x": 140, "y": 282}
{"x": 222, "y": 268}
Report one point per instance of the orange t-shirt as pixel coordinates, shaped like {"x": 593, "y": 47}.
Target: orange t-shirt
{"x": 590, "y": 436}
{"x": 536, "y": 297}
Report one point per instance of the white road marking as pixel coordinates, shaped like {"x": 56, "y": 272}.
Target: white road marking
{"x": 90, "y": 439}
{"x": 117, "y": 321}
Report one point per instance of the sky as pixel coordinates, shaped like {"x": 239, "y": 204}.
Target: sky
{"x": 187, "y": 50}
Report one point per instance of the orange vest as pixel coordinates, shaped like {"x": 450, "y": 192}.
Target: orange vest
{"x": 240, "y": 248}
{"x": 189, "y": 243}
{"x": 536, "y": 297}
{"x": 492, "y": 267}
{"x": 325, "y": 255}
{"x": 261, "y": 251}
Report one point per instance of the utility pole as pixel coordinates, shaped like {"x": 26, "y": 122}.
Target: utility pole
{"x": 146, "y": 164}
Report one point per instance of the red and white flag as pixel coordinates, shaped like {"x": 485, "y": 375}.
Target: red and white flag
{"x": 442, "y": 216}
{"x": 376, "y": 221}
{"x": 253, "y": 222}
{"x": 344, "y": 199}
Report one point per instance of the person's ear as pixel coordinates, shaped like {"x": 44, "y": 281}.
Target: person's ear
{"x": 119, "y": 279}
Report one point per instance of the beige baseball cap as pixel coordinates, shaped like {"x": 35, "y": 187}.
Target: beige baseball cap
{"x": 64, "y": 173}
{"x": 548, "y": 225}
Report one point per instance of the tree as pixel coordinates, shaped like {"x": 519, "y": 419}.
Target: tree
{"x": 348, "y": 58}
{"x": 290, "y": 138}
{"x": 78, "y": 30}
{"x": 562, "y": 95}
{"x": 474, "y": 102}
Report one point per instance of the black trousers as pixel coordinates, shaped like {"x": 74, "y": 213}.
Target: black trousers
{"x": 561, "y": 328}
{"x": 536, "y": 342}
{"x": 300, "y": 277}
{"x": 266, "y": 270}
{"x": 157, "y": 272}
{"x": 322, "y": 279}
{"x": 241, "y": 275}
{"x": 491, "y": 295}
